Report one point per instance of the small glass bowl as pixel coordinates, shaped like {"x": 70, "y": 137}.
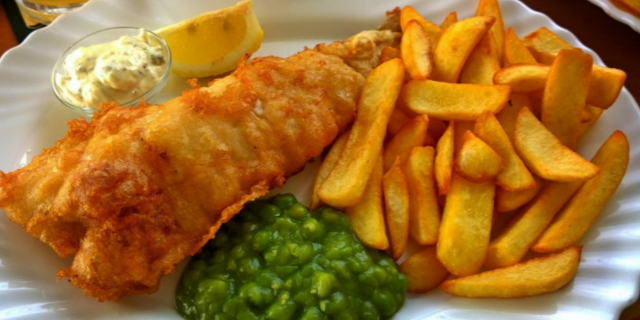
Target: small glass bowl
{"x": 110, "y": 35}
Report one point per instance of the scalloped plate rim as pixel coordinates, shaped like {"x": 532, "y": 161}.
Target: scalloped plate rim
{"x": 625, "y": 102}
{"x": 618, "y": 14}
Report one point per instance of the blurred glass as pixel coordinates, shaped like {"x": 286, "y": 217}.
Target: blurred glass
{"x": 45, "y": 11}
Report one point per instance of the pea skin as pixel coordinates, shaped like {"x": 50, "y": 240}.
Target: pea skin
{"x": 278, "y": 260}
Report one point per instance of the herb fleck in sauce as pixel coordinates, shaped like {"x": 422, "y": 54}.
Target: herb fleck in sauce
{"x": 116, "y": 71}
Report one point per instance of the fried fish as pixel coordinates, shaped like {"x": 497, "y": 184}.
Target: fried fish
{"x": 135, "y": 191}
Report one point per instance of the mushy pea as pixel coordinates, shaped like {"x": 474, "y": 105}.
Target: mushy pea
{"x": 277, "y": 260}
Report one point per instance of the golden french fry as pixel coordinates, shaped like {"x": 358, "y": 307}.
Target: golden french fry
{"x": 444, "y": 159}
{"x": 483, "y": 62}
{"x": 492, "y": 8}
{"x": 328, "y": 163}
{"x": 411, "y": 135}
{"x": 396, "y": 121}
{"x": 543, "y": 44}
{"x": 450, "y": 19}
{"x": 507, "y": 200}
{"x": 536, "y": 276}
{"x": 408, "y": 13}
{"x": 595, "y": 115}
{"x": 367, "y": 216}
{"x": 515, "y": 52}
{"x": 523, "y": 78}
{"x": 461, "y": 127}
{"x": 466, "y": 226}
{"x": 389, "y": 53}
{"x": 416, "y": 49}
{"x": 423, "y": 270}
{"x": 583, "y": 209}
{"x": 586, "y": 115}
{"x": 396, "y": 201}
{"x": 528, "y": 224}
{"x": 545, "y": 155}
{"x": 565, "y": 95}
{"x": 424, "y": 212}
{"x": 456, "y": 44}
{"x": 476, "y": 161}
{"x": 605, "y": 86}
{"x": 508, "y": 115}
{"x": 536, "y": 103}
{"x": 346, "y": 182}
{"x": 453, "y": 101}
{"x": 515, "y": 175}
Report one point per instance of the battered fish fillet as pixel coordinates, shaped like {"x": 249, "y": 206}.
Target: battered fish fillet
{"x": 137, "y": 190}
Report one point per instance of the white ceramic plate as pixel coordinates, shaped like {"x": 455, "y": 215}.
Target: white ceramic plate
{"x": 618, "y": 14}
{"x": 31, "y": 118}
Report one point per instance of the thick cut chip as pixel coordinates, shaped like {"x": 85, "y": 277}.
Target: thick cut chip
{"x": 396, "y": 202}
{"x": 565, "y": 95}
{"x": 389, "y": 53}
{"x": 509, "y": 114}
{"x": 411, "y": 135}
{"x": 424, "y": 212}
{"x": 515, "y": 52}
{"x": 545, "y": 155}
{"x": 397, "y": 120}
{"x": 515, "y": 175}
{"x": 586, "y": 125}
{"x": 346, "y": 182}
{"x": 523, "y": 78}
{"x": 367, "y": 216}
{"x": 507, "y": 200}
{"x": 536, "y": 103}
{"x": 580, "y": 213}
{"x": 483, "y": 62}
{"x": 534, "y": 277}
{"x": 544, "y": 44}
{"x": 408, "y": 13}
{"x": 604, "y": 87}
{"x": 528, "y": 224}
{"x": 466, "y": 226}
{"x": 449, "y": 20}
{"x": 587, "y": 115}
{"x": 326, "y": 166}
{"x": 476, "y": 160}
{"x": 456, "y": 45}
{"x": 444, "y": 159}
{"x": 461, "y": 127}
{"x": 453, "y": 101}
{"x": 492, "y": 8}
{"x": 416, "y": 49}
{"x": 423, "y": 270}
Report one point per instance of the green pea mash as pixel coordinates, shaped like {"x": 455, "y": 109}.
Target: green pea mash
{"x": 277, "y": 260}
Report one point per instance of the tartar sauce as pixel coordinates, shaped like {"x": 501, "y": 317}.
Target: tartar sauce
{"x": 115, "y": 71}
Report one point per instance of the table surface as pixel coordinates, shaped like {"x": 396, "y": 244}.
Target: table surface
{"x": 617, "y": 44}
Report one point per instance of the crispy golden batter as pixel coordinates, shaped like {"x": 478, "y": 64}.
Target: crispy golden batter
{"x": 362, "y": 51}
{"x": 137, "y": 190}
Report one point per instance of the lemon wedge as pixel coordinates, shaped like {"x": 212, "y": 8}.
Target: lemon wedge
{"x": 213, "y": 42}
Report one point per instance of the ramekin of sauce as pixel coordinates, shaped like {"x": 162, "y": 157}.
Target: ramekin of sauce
{"x": 121, "y": 64}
